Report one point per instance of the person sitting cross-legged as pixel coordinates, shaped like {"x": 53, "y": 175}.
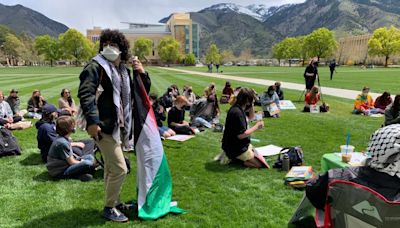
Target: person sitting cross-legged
{"x": 176, "y": 117}
{"x": 61, "y": 160}
{"x": 6, "y": 115}
{"x": 364, "y": 104}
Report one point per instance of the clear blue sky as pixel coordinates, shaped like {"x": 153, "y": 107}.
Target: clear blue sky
{"x": 84, "y": 14}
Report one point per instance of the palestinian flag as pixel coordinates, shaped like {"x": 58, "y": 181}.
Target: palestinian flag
{"x": 154, "y": 182}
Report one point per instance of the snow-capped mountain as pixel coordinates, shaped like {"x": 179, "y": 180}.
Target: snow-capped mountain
{"x": 257, "y": 11}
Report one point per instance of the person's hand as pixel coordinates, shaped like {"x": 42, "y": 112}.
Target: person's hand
{"x": 137, "y": 66}
{"x": 10, "y": 120}
{"x": 78, "y": 144}
{"x": 185, "y": 123}
{"x": 260, "y": 124}
{"x": 161, "y": 109}
{"x": 94, "y": 131}
{"x": 35, "y": 109}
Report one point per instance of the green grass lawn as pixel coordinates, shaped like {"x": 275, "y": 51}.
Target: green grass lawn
{"x": 378, "y": 79}
{"x": 213, "y": 195}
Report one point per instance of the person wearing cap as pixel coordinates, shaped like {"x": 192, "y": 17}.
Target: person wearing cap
{"x": 66, "y": 103}
{"x": 14, "y": 102}
{"x": 364, "y": 104}
{"x": 6, "y": 115}
{"x": 109, "y": 115}
{"x": 46, "y": 134}
{"x": 176, "y": 117}
{"x": 35, "y": 104}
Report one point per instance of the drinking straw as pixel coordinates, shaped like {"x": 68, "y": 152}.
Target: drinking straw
{"x": 347, "y": 141}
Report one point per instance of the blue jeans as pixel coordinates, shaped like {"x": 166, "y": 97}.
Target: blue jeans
{"x": 83, "y": 167}
{"x": 202, "y": 122}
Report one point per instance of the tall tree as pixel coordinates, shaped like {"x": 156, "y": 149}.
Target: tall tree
{"x": 291, "y": 49}
{"x": 13, "y": 48}
{"x": 169, "y": 50}
{"x": 321, "y": 43}
{"x": 384, "y": 42}
{"x": 49, "y": 47}
{"x": 227, "y": 56}
{"x": 278, "y": 52}
{"x": 142, "y": 48}
{"x": 75, "y": 46}
{"x": 212, "y": 54}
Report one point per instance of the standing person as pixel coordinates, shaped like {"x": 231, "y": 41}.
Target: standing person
{"x": 35, "y": 104}
{"x": 217, "y": 67}
{"x": 109, "y": 114}
{"x": 332, "y": 66}
{"x": 279, "y": 91}
{"x": 236, "y": 138}
{"x": 66, "y": 103}
{"x": 311, "y": 73}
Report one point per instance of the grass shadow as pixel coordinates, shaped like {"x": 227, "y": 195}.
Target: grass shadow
{"x": 32, "y": 159}
{"x": 45, "y": 177}
{"x": 214, "y": 166}
{"x": 75, "y": 218}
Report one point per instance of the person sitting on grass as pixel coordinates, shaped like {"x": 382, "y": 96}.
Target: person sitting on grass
{"x": 190, "y": 96}
{"x": 176, "y": 117}
{"x": 6, "y": 115}
{"x": 167, "y": 99}
{"x": 311, "y": 98}
{"x": 270, "y": 103}
{"x": 66, "y": 103}
{"x": 35, "y": 104}
{"x": 383, "y": 101}
{"x": 392, "y": 113}
{"x": 159, "y": 113}
{"x": 61, "y": 160}
{"x": 279, "y": 91}
{"x": 14, "y": 102}
{"x": 364, "y": 104}
{"x": 205, "y": 111}
{"x": 227, "y": 92}
{"x": 46, "y": 134}
{"x": 236, "y": 139}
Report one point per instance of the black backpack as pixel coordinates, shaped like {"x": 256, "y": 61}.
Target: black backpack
{"x": 8, "y": 143}
{"x": 296, "y": 156}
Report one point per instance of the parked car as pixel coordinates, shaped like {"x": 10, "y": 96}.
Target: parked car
{"x": 241, "y": 63}
{"x": 228, "y": 64}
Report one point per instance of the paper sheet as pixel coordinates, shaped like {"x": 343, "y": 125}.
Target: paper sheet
{"x": 286, "y": 104}
{"x": 269, "y": 150}
{"x": 180, "y": 138}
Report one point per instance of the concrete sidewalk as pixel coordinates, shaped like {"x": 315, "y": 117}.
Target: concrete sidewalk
{"x": 343, "y": 93}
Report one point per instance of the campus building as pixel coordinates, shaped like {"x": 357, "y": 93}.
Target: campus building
{"x": 179, "y": 26}
{"x": 354, "y": 50}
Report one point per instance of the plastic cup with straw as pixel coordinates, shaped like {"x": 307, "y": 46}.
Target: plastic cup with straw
{"x": 346, "y": 157}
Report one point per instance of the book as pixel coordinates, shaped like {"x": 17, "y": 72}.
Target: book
{"x": 299, "y": 173}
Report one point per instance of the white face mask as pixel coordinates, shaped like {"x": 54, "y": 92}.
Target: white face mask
{"x": 110, "y": 53}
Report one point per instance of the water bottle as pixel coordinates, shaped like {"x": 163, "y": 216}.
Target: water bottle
{"x": 285, "y": 162}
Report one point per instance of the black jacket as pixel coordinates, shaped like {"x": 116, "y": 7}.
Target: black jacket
{"x": 104, "y": 112}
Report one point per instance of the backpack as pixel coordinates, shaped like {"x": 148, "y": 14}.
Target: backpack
{"x": 296, "y": 156}
{"x": 8, "y": 143}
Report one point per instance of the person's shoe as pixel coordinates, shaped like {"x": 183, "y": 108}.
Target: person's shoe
{"x": 85, "y": 177}
{"x": 114, "y": 215}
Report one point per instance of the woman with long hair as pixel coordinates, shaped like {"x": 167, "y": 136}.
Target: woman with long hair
{"x": 66, "y": 103}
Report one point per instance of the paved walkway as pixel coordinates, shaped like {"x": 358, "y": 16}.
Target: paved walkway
{"x": 343, "y": 93}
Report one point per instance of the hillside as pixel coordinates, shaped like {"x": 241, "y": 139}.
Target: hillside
{"x": 352, "y": 17}
{"x": 24, "y": 20}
